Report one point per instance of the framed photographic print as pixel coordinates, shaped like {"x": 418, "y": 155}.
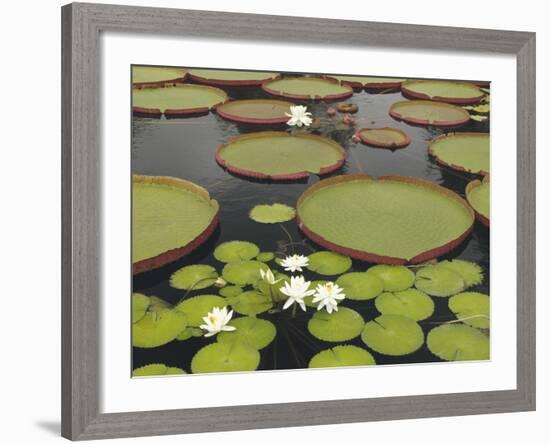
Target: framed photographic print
{"x": 255, "y": 205}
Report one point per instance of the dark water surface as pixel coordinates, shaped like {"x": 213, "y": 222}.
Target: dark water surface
{"x": 185, "y": 148}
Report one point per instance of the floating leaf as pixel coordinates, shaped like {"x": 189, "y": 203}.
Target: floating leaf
{"x": 265, "y": 256}
{"x": 185, "y": 334}
{"x": 305, "y": 88}
{"x": 342, "y": 356}
{"x": 261, "y": 111}
{"x": 140, "y": 304}
{"x": 223, "y": 77}
{"x": 394, "y": 277}
{"x": 411, "y": 303}
{"x": 478, "y": 194}
{"x": 272, "y": 214}
{"x": 244, "y": 272}
{"x": 442, "y": 91}
{"x": 257, "y": 333}
{"x": 393, "y": 335}
{"x": 194, "y": 277}
{"x": 225, "y": 357}
{"x": 338, "y": 326}
{"x": 157, "y": 328}
{"x": 250, "y": 303}
{"x": 467, "y": 152}
{"x": 369, "y": 82}
{"x": 198, "y": 307}
{"x": 360, "y": 286}
{"x": 478, "y": 117}
{"x": 439, "y": 281}
{"x": 156, "y": 75}
{"x": 425, "y": 112}
{"x": 472, "y": 308}
{"x": 230, "y": 290}
{"x": 458, "y": 342}
{"x": 471, "y": 272}
{"x": 384, "y": 137}
{"x": 157, "y": 370}
{"x": 236, "y": 251}
{"x": 328, "y": 263}
{"x": 175, "y": 371}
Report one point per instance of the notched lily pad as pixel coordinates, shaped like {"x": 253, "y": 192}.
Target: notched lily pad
{"x": 158, "y": 327}
{"x": 472, "y": 308}
{"x": 250, "y": 303}
{"x": 197, "y": 307}
{"x": 236, "y": 251}
{"x": 360, "y": 286}
{"x": 328, "y": 263}
{"x": 194, "y": 277}
{"x": 339, "y": 326}
{"x": 156, "y": 370}
{"x": 222, "y": 357}
{"x": 244, "y": 272}
{"x": 265, "y": 256}
{"x": 465, "y": 152}
{"x": 439, "y": 281}
{"x": 230, "y": 290}
{"x": 394, "y": 277}
{"x": 272, "y": 214}
{"x": 342, "y": 356}
{"x": 393, "y": 335}
{"x": 471, "y": 272}
{"x": 140, "y": 304}
{"x": 257, "y": 333}
{"x": 411, "y": 303}
{"x": 458, "y": 342}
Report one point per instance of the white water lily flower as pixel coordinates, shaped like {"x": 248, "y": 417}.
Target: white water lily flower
{"x": 216, "y": 321}
{"x": 328, "y": 295}
{"x": 220, "y": 282}
{"x": 299, "y": 116}
{"x": 295, "y": 262}
{"x": 269, "y": 277}
{"x": 296, "y": 291}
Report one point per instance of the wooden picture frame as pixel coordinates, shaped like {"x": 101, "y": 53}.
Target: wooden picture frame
{"x": 81, "y": 169}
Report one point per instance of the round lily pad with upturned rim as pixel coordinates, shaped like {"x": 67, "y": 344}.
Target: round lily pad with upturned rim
{"x": 472, "y": 308}
{"x": 156, "y": 370}
{"x": 393, "y": 335}
{"x": 442, "y": 91}
{"x": 439, "y": 281}
{"x": 257, "y": 333}
{"x": 342, "y": 356}
{"x": 263, "y": 111}
{"x": 194, "y": 277}
{"x": 156, "y": 75}
{"x": 230, "y": 290}
{"x": 412, "y": 303}
{"x": 391, "y": 220}
{"x": 307, "y": 88}
{"x": 250, "y": 303}
{"x": 170, "y": 218}
{"x": 157, "y": 328}
{"x": 465, "y": 152}
{"x": 140, "y": 304}
{"x": 360, "y": 286}
{"x": 272, "y": 213}
{"x": 244, "y": 272}
{"x": 338, "y": 326}
{"x": 328, "y": 263}
{"x": 198, "y": 307}
{"x": 478, "y": 196}
{"x": 265, "y": 256}
{"x": 458, "y": 342}
{"x": 391, "y": 138}
{"x": 394, "y": 277}
{"x": 236, "y": 251}
{"x": 471, "y": 272}
{"x": 221, "y": 357}
{"x": 278, "y": 155}
{"x": 358, "y": 82}
{"x": 221, "y": 77}
{"x": 426, "y": 112}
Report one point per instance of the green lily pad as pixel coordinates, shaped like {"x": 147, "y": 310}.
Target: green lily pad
{"x": 157, "y": 328}
{"x": 477, "y": 195}
{"x": 198, "y": 307}
{"x": 225, "y": 357}
{"x": 472, "y": 305}
{"x": 223, "y": 77}
{"x": 308, "y": 300}
{"x": 425, "y": 112}
{"x": 156, "y": 75}
{"x": 411, "y": 303}
{"x": 342, "y": 356}
{"x": 230, "y": 290}
{"x": 265, "y": 256}
{"x": 370, "y": 82}
{"x": 272, "y": 214}
{"x": 250, "y": 303}
{"x": 307, "y": 88}
{"x": 394, "y": 277}
{"x": 384, "y": 137}
{"x": 466, "y": 152}
{"x": 458, "y": 342}
{"x": 360, "y": 286}
{"x": 339, "y": 326}
{"x": 328, "y": 263}
{"x": 255, "y": 111}
{"x": 194, "y": 277}
{"x": 442, "y": 91}
{"x": 140, "y": 304}
{"x": 244, "y": 272}
{"x": 157, "y": 303}
{"x": 185, "y": 334}
{"x": 236, "y": 251}
{"x": 393, "y": 335}
{"x": 439, "y": 281}
{"x": 471, "y": 272}
{"x": 157, "y": 370}
{"x": 257, "y": 333}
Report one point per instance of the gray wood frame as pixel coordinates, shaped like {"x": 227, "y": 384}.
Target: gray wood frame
{"x": 81, "y": 166}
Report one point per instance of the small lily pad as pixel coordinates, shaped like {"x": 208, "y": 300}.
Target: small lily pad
{"x": 338, "y": 326}
{"x": 272, "y": 214}
{"x": 439, "y": 281}
{"x": 265, "y": 256}
{"x": 250, "y": 303}
{"x": 329, "y": 263}
{"x": 157, "y": 328}
{"x": 157, "y": 370}
{"x": 236, "y": 251}
{"x": 458, "y": 342}
{"x": 395, "y": 277}
{"x": 194, "y": 277}
{"x": 225, "y": 357}
{"x": 471, "y": 272}
{"x": 230, "y": 290}
{"x": 342, "y": 356}
{"x": 411, "y": 303}
{"x": 198, "y": 307}
{"x": 244, "y": 272}
{"x": 140, "y": 304}
{"x": 360, "y": 286}
{"x": 393, "y": 335}
{"x": 472, "y": 305}
{"x": 257, "y": 333}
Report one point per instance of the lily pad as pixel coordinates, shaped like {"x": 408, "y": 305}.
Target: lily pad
{"x": 391, "y": 220}
{"x": 393, "y": 335}
{"x": 198, "y": 307}
{"x": 342, "y": 356}
{"x": 157, "y": 328}
{"x": 394, "y": 277}
{"x": 140, "y": 304}
{"x": 439, "y": 281}
{"x": 471, "y": 272}
{"x": 225, "y": 357}
{"x": 244, "y": 272}
{"x": 391, "y": 138}
{"x": 194, "y": 277}
{"x": 272, "y": 214}
{"x": 339, "y": 326}
{"x": 230, "y": 290}
{"x": 170, "y": 218}
{"x": 477, "y": 194}
{"x": 329, "y": 263}
{"x": 257, "y": 333}
{"x": 156, "y": 75}
{"x": 255, "y": 111}
{"x": 306, "y": 88}
{"x": 265, "y": 256}
{"x": 411, "y": 303}
{"x": 442, "y": 91}
{"x": 360, "y": 286}
{"x": 236, "y": 251}
{"x": 221, "y": 77}
{"x": 278, "y": 155}
{"x": 466, "y": 152}
{"x": 472, "y": 308}
{"x": 458, "y": 342}
{"x": 178, "y": 100}
{"x": 425, "y": 112}
{"x": 157, "y": 370}
{"x": 250, "y": 303}
{"x": 358, "y": 82}
{"x": 185, "y": 335}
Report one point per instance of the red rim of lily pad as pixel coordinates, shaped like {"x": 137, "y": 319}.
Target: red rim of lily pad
{"x": 176, "y": 253}
{"x": 399, "y": 115}
{"x": 362, "y": 134}
{"x": 224, "y": 82}
{"x": 469, "y": 188}
{"x": 376, "y": 258}
{"x": 441, "y": 162}
{"x": 221, "y": 111}
{"x": 406, "y": 89}
{"x": 326, "y": 98}
{"x": 279, "y": 177}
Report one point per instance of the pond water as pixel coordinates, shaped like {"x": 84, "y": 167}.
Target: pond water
{"x": 185, "y": 148}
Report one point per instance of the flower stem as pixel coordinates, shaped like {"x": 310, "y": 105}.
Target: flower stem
{"x": 289, "y": 237}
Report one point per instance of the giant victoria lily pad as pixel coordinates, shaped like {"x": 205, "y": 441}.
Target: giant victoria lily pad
{"x": 359, "y": 82}
{"x": 477, "y": 195}
{"x": 426, "y": 112}
{"x": 391, "y": 220}
{"x": 384, "y": 137}
{"x": 255, "y": 111}
{"x": 468, "y": 152}
{"x": 178, "y": 100}
{"x": 170, "y": 218}
{"x": 220, "y": 77}
{"x": 307, "y": 88}
{"x": 277, "y": 155}
{"x": 442, "y": 91}
{"x": 156, "y": 75}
